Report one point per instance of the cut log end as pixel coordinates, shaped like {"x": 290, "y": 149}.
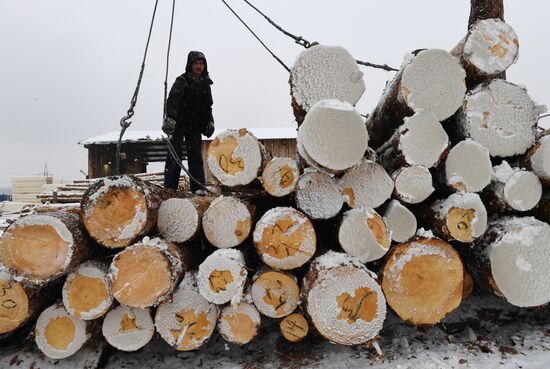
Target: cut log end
{"x": 468, "y": 167}
{"x": 14, "y": 304}
{"x": 345, "y": 303}
{"x": 363, "y": 234}
{"x": 514, "y": 188}
{"x": 319, "y": 195}
{"x": 86, "y": 292}
{"x": 222, "y": 276}
{"x": 413, "y": 184}
{"x": 294, "y": 327}
{"x": 239, "y": 324}
{"x": 401, "y": 221}
{"x": 275, "y": 294}
{"x": 423, "y": 280}
{"x": 359, "y": 181}
{"x": 227, "y": 222}
{"x": 280, "y": 176}
{"x": 538, "y": 159}
{"x": 59, "y": 335}
{"x": 285, "y": 238}
{"x": 128, "y": 329}
{"x": 178, "y": 220}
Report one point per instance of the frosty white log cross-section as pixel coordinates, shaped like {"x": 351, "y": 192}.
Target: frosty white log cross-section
{"x": 401, "y": 222}
{"x": 423, "y": 280}
{"x": 179, "y": 220}
{"x": 227, "y": 222}
{"x": 280, "y": 176}
{"x": 319, "y": 195}
{"x": 468, "y": 167}
{"x": 366, "y": 185}
{"x": 412, "y": 184}
{"x": 128, "y": 329}
{"x": 537, "y": 158}
{"x": 324, "y": 72}
{"x": 56, "y": 237}
{"x": 344, "y": 301}
{"x": 146, "y": 273}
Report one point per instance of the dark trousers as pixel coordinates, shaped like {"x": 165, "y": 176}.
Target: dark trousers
{"x": 194, "y": 159}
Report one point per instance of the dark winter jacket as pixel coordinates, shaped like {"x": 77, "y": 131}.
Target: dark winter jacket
{"x": 190, "y": 101}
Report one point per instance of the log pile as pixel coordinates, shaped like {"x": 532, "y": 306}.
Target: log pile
{"x": 443, "y": 189}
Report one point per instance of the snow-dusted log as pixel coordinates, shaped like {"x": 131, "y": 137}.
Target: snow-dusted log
{"x": 344, "y": 301}
{"x": 537, "y": 158}
{"x": 319, "y": 195}
{"x": 333, "y": 135}
{"x": 236, "y": 157}
{"x": 401, "y": 222}
{"x": 366, "y": 185}
{"x": 275, "y": 294}
{"x": 222, "y": 276}
{"x": 468, "y": 167}
{"x": 128, "y": 329}
{"x": 420, "y": 140}
{"x": 280, "y": 176}
{"x": 145, "y": 273}
{"x": 423, "y": 280}
{"x": 324, "y": 72}
{"x": 86, "y": 292}
{"x": 41, "y": 247}
{"x": 188, "y": 320}
{"x": 116, "y": 211}
{"x": 227, "y": 222}
{"x": 284, "y": 238}
{"x": 363, "y": 234}
{"x": 179, "y": 219}
{"x": 294, "y": 327}
{"x": 512, "y": 189}
{"x": 485, "y": 9}
{"x": 412, "y": 184}
{"x": 490, "y": 47}
{"x": 58, "y": 334}
{"x": 512, "y": 260}
{"x": 239, "y": 323}
{"x": 429, "y": 80}
{"x": 460, "y": 217}
{"x": 501, "y": 116}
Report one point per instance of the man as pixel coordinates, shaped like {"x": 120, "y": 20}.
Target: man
{"x": 189, "y": 113}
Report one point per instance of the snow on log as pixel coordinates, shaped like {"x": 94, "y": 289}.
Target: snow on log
{"x": 128, "y": 329}
{"x": 468, "y": 167}
{"x": 222, "y": 276}
{"x": 145, "y": 273}
{"x": 501, "y": 116}
{"x": 294, "y": 327}
{"x": 537, "y": 158}
{"x": 401, "y": 222}
{"x": 239, "y": 323}
{"x": 429, "y": 80}
{"x": 324, "y": 72}
{"x": 420, "y": 140}
{"x": 227, "y": 222}
{"x": 512, "y": 260}
{"x": 275, "y": 294}
{"x": 490, "y": 47}
{"x": 460, "y": 217}
{"x": 284, "y": 238}
{"x": 333, "y": 135}
{"x": 116, "y": 211}
{"x": 179, "y": 219}
{"x": 366, "y": 185}
{"x": 56, "y": 237}
{"x": 280, "y": 176}
{"x": 235, "y": 157}
{"x": 86, "y": 293}
{"x": 319, "y": 195}
{"x": 188, "y": 320}
{"x": 412, "y": 184}
{"x": 58, "y": 334}
{"x": 363, "y": 234}
{"x": 423, "y": 280}
{"x": 512, "y": 189}
{"x": 344, "y": 301}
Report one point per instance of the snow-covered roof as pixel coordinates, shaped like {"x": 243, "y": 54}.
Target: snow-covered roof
{"x": 136, "y": 136}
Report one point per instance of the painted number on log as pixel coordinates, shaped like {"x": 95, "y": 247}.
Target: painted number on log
{"x": 6, "y": 303}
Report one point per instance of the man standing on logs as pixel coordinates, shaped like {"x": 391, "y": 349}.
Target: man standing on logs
{"x": 189, "y": 113}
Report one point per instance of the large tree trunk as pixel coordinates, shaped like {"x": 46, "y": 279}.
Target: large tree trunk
{"x": 343, "y": 299}
{"x": 56, "y": 237}
{"x": 423, "y": 280}
{"x": 118, "y": 210}
{"x": 128, "y": 329}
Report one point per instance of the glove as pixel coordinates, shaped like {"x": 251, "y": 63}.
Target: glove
{"x": 169, "y": 126}
{"x": 209, "y": 129}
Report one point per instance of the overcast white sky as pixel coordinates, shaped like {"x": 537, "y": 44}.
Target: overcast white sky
{"x": 68, "y": 67}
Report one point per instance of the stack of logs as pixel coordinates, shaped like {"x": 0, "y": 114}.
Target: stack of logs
{"x": 441, "y": 189}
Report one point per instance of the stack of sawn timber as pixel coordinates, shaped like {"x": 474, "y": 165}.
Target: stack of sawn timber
{"x": 327, "y": 242}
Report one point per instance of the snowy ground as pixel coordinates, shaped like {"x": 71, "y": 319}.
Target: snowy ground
{"x": 484, "y": 332}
